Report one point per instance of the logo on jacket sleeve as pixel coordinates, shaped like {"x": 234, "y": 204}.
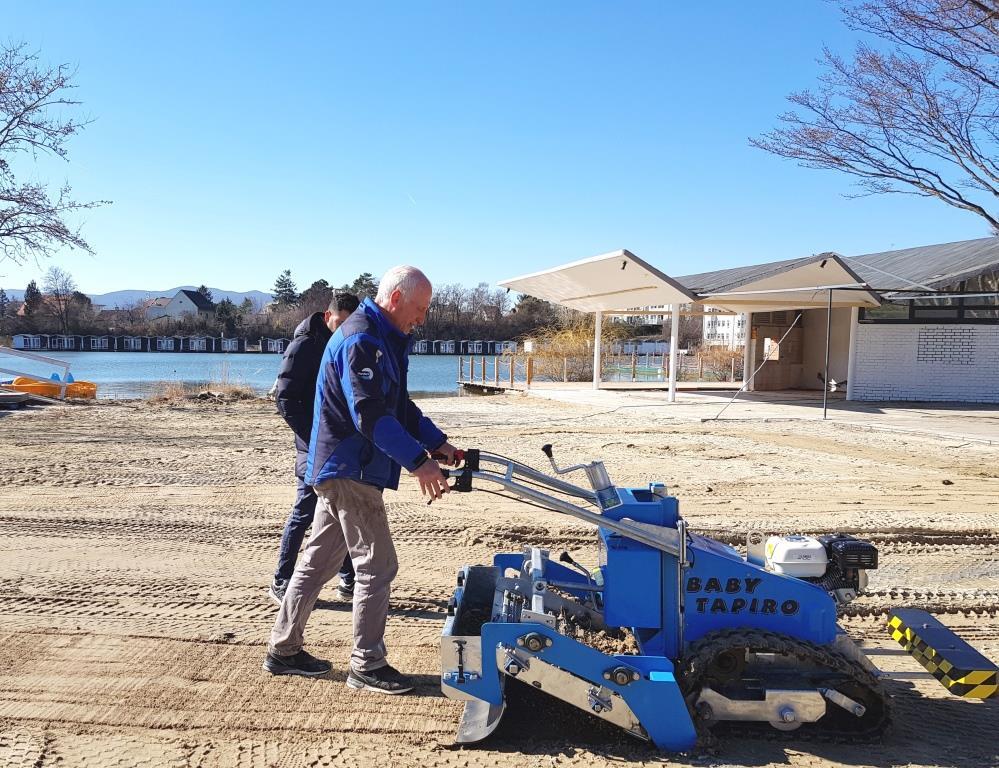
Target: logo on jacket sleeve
{"x": 366, "y": 373}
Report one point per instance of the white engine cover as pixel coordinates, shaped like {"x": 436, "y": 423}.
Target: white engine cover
{"x": 799, "y": 556}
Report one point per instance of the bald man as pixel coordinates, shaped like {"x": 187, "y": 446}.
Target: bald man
{"x": 365, "y": 431}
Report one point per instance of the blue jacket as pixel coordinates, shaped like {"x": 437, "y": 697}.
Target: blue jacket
{"x": 296, "y": 382}
{"x": 365, "y": 426}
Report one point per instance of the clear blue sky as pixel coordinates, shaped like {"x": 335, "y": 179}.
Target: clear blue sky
{"x": 476, "y": 140}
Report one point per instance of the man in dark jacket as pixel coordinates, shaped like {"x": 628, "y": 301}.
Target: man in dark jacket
{"x": 296, "y": 395}
{"x": 365, "y": 430}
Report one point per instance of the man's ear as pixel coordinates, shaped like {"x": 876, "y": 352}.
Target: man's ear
{"x": 326, "y": 316}
{"x": 396, "y": 299}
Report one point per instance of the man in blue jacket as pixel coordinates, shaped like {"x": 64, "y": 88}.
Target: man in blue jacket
{"x": 296, "y": 397}
{"x": 365, "y": 430}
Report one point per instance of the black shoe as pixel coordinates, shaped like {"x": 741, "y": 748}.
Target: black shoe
{"x": 277, "y": 590}
{"x": 346, "y": 590}
{"x": 302, "y": 663}
{"x": 382, "y": 680}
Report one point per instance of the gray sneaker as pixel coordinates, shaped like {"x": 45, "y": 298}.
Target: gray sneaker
{"x": 382, "y": 680}
{"x": 277, "y": 590}
{"x": 302, "y": 663}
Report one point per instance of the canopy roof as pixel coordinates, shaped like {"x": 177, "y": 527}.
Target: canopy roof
{"x": 613, "y": 281}
{"x": 622, "y": 281}
{"x": 798, "y": 284}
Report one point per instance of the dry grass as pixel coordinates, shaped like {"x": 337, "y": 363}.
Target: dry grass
{"x": 717, "y": 363}
{"x": 567, "y": 353}
{"x": 221, "y": 387}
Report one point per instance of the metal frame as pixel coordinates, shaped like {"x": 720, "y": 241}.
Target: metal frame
{"x": 664, "y": 539}
{"x": 40, "y": 358}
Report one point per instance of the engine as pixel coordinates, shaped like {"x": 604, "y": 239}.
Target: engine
{"x": 837, "y": 562}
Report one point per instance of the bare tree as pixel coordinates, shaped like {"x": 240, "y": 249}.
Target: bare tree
{"x": 919, "y": 116}
{"x": 59, "y": 287}
{"x": 32, "y": 99}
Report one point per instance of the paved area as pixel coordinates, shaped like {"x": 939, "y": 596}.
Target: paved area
{"x": 959, "y": 421}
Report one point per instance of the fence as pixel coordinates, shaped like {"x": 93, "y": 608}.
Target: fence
{"x": 520, "y": 371}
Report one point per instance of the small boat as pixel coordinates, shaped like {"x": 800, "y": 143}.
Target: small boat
{"x": 85, "y": 390}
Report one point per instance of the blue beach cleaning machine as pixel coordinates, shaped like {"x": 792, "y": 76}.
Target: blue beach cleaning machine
{"x": 720, "y": 640}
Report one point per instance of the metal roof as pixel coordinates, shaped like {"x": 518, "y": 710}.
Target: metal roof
{"x": 933, "y": 266}
{"x": 730, "y": 279}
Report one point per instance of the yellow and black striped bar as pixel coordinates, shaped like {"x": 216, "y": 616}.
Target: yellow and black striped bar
{"x": 960, "y": 668}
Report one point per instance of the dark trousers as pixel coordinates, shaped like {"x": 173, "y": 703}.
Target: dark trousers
{"x": 295, "y": 529}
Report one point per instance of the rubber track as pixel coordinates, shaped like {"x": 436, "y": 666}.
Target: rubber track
{"x": 694, "y": 666}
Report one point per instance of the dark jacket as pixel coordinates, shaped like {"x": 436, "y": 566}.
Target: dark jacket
{"x": 296, "y": 383}
{"x": 365, "y": 426}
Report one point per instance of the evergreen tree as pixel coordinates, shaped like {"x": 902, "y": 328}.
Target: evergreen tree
{"x": 364, "y": 286}
{"x": 32, "y": 298}
{"x": 228, "y": 317}
{"x": 4, "y": 303}
{"x": 246, "y": 307}
{"x": 316, "y": 298}
{"x": 285, "y": 292}
{"x": 205, "y": 291}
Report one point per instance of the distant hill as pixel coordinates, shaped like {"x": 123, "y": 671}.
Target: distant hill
{"x": 128, "y": 297}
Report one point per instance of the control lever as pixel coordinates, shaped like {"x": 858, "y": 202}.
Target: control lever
{"x": 566, "y": 558}
{"x": 596, "y": 473}
{"x": 547, "y": 450}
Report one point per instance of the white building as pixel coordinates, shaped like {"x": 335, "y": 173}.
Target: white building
{"x": 724, "y": 330}
{"x": 183, "y": 304}
{"x": 929, "y": 330}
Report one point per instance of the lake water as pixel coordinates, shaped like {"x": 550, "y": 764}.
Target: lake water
{"x": 140, "y": 374}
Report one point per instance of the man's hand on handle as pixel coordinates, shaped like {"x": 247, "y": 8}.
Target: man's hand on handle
{"x": 448, "y": 455}
{"x": 432, "y": 482}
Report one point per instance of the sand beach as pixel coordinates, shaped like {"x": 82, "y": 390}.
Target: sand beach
{"x": 137, "y": 540}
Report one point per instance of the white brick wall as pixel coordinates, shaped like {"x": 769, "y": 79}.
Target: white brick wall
{"x": 926, "y": 362}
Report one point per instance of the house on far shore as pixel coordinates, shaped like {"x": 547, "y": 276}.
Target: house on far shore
{"x": 273, "y": 345}
{"x": 184, "y": 303}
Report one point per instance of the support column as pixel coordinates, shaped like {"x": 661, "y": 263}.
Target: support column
{"x": 747, "y": 351}
{"x": 825, "y": 372}
{"x": 674, "y": 337}
{"x": 597, "y": 332}
{"x": 851, "y": 371}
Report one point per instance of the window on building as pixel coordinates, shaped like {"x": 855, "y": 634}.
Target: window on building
{"x": 101, "y": 343}
{"x": 230, "y": 345}
{"x": 971, "y": 301}
{"x": 133, "y": 345}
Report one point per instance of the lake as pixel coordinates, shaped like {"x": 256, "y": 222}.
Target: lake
{"x": 140, "y": 374}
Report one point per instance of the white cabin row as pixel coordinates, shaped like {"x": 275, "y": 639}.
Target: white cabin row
{"x": 463, "y": 347}
{"x": 119, "y": 343}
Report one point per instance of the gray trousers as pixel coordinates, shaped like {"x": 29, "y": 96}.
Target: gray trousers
{"x": 350, "y": 517}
